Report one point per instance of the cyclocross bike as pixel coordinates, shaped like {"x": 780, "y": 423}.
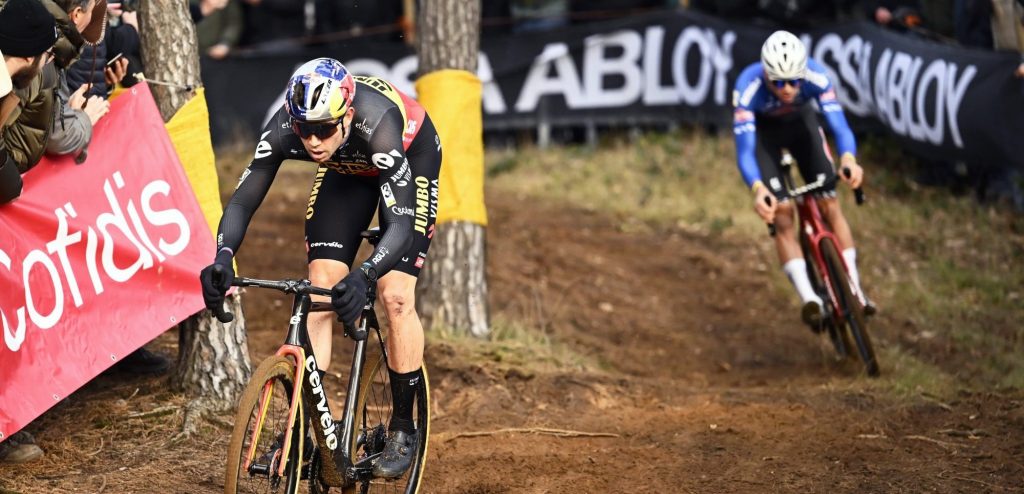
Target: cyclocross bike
{"x": 285, "y": 433}
{"x": 844, "y": 308}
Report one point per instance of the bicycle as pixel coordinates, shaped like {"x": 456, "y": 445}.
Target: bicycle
{"x": 270, "y": 449}
{"x": 844, "y": 309}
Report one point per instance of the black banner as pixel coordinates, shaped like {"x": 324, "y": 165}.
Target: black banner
{"x": 941, "y": 101}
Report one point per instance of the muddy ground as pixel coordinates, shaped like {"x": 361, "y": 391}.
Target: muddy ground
{"x": 696, "y": 375}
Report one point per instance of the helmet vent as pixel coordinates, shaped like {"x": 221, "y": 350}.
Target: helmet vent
{"x": 298, "y": 95}
{"x": 316, "y": 92}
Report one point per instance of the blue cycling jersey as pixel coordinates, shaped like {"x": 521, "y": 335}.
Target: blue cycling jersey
{"x": 752, "y": 100}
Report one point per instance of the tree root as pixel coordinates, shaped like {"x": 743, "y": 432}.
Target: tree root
{"x": 526, "y": 430}
{"x": 195, "y": 411}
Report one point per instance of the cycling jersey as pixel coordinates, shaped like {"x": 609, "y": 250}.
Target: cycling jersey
{"x": 384, "y": 135}
{"x": 754, "y": 102}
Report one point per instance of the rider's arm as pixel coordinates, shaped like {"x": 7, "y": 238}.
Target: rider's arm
{"x": 252, "y": 188}
{"x": 746, "y": 96}
{"x": 398, "y": 192}
{"x": 746, "y": 143}
{"x": 825, "y": 94}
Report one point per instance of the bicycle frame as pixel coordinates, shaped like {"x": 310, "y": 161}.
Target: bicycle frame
{"x": 339, "y": 468}
{"x": 815, "y": 229}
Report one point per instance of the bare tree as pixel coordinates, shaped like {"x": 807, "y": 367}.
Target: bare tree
{"x": 453, "y": 285}
{"x": 213, "y": 358}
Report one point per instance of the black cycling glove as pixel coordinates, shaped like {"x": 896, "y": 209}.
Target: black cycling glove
{"x": 349, "y": 296}
{"x": 216, "y": 280}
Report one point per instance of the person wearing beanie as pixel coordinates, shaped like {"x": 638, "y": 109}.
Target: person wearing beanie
{"x": 27, "y": 34}
{"x": 27, "y": 31}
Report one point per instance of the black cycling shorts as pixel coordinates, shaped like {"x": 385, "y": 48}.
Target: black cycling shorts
{"x": 801, "y": 134}
{"x": 353, "y": 199}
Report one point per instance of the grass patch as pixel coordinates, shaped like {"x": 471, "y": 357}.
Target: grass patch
{"x": 513, "y": 344}
{"x": 946, "y": 272}
{"x": 908, "y": 376}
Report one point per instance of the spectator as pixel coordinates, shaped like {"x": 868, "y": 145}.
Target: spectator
{"x": 122, "y": 40}
{"x": 220, "y": 29}
{"x": 538, "y": 15}
{"x": 276, "y": 25}
{"x": 1008, "y": 28}
{"x": 372, "y": 20}
{"x": 900, "y": 15}
{"x": 27, "y": 35}
{"x": 972, "y": 23}
{"x": 71, "y": 131}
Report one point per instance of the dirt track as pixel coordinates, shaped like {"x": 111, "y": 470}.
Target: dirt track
{"x": 702, "y": 374}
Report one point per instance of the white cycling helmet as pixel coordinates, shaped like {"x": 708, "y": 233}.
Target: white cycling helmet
{"x": 784, "y": 57}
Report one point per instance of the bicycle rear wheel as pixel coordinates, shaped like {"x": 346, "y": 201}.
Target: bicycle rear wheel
{"x": 262, "y": 426}
{"x": 850, "y": 307}
{"x": 373, "y": 411}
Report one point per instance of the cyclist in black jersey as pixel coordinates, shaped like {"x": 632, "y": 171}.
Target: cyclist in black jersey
{"x": 376, "y": 150}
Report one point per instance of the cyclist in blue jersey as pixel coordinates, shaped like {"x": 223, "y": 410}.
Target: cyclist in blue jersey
{"x": 774, "y": 112}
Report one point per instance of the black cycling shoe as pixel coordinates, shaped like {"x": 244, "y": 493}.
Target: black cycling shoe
{"x": 143, "y": 361}
{"x": 812, "y": 315}
{"x": 869, "y": 307}
{"x": 399, "y": 451}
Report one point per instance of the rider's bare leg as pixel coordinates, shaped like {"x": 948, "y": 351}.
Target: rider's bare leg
{"x": 785, "y": 233}
{"x": 405, "y": 337}
{"x": 323, "y": 273}
{"x": 405, "y": 360}
{"x": 793, "y": 262}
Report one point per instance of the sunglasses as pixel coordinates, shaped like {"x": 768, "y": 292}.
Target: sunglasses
{"x": 322, "y": 130}
{"x": 779, "y": 84}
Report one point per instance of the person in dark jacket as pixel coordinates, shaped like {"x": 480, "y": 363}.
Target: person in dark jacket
{"x": 71, "y": 130}
{"x": 27, "y": 35}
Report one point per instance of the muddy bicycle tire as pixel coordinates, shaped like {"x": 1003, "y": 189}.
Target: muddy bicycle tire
{"x": 851, "y": 308}
{"x": 278, "y": 371}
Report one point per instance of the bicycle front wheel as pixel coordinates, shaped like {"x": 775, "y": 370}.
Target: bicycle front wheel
{"x": 255, "y": 453}
{"x": 373, "y": 409}
{"x": 834, "y": 326}
{"x": 850, "y": 307}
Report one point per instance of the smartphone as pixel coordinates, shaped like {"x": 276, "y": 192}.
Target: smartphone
{"x": 115, "y": 59}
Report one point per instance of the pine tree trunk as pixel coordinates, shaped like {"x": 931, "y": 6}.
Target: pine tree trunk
{"x": 453, "y": 286}
{"x": 452, "y": 289}
{"x": 170, "y": 52}
{"x": 213, "y": 358}
{"x": 448, "y": 35}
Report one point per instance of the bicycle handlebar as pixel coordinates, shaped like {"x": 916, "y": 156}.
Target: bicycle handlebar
{"x": 816, "y": 186}
{"x": 295, "y": 287}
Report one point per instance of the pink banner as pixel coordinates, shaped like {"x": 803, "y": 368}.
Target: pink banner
{"x": 95, "y": 259}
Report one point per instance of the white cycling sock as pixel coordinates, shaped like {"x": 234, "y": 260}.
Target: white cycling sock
{"x": 850, "y": 256}
{"x": 796, "y": 269}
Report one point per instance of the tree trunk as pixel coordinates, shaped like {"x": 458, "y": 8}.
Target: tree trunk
{"x": 453, "y": 287}
{"x": 452, "y": 290}
{"x": 448, "y": 35}
{"x": 170, "y": 52}
{"x": 213, "y": 358}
